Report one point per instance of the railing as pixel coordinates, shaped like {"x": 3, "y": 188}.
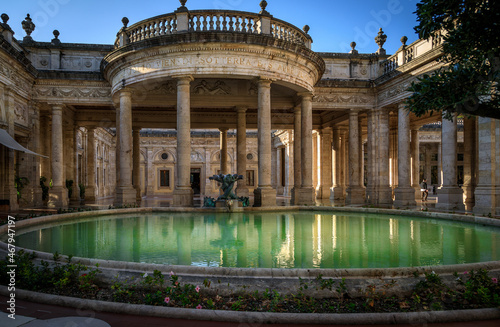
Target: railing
{"x": 408, "y": 53}
{"x": 211, "y": 21}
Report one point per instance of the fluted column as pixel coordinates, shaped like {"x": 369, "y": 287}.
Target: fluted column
{"x": 307, "y": 192}
{"x": 404, "y": 193}
{"x": 137, "y": 163}
{"x": 487, "y": 193}
{"x": 297, "y": 148}
{"x": 241, "y": 148}
{"x": 450, "y": 196}
{"x": 265, "y": 195}
{"x": 125, "y": 192}
{"x": 470, "y": 165}
{"x": 415, "y": 164}
{"x": 223, "y": 151}
{"x": 58, "y": 194}
{"x": 90, "y": 188}
{"x": 183, "y": 193}
{"x": 326, "y": 163}
{"x": 355, "y": 193}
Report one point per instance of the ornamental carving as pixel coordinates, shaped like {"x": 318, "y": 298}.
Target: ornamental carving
{"x": 73, "y": 92}
{"x": 165, "y": 88}
{"x": 217, "y": 88}
{"x": 397, "y": 90}
{"x": 21, "y": 114}
{"x": 336, "y": 98}
{"x": 196, "y": 156}
{"x": 254, "y": 89}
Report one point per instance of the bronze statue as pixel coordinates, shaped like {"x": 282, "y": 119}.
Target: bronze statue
{"x": 227, "y": 182}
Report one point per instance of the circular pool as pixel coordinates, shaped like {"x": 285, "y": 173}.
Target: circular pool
{"x": 305, "y": 239}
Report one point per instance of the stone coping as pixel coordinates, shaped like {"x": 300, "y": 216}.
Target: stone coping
{"x": 259, "y": 317}
{"x": 271, "y": 273}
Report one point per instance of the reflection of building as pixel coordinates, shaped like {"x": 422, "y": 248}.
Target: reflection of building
{"x": 240, "y": 92}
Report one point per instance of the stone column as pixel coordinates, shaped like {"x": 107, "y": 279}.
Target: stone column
{"x": 90, "y": 188}
{"x": 355, "y": 193}
{"x": 10, "y": 154}
{"x": 415, "y": 154}
{"x": 384, "y": 188}
{"x": 297, "y": 148}
{"x": 125, "y": 192}
{"x": 315, "y": 160}
{"x": 450, "y": 196}
{"x": 372, "y": 146}
{"x": 337, "y": 192}
{"x": 241, "y": 148}
{"x": 265, "y": 195}
{"x": 183, "y": 193}
{"x": 344, "y": 144}
{"x": 137, "y": 163}
{"x": 117, "y": 147}
{"x": 470, "y": 151}
{"x": 58, "y": 194}
{"x": 487, "y": 193}
{"x": 223, "y": 151}
{"x": 404, "y": 193}
{"x": 307, "y": 194}
{"x": 326, "y": 163}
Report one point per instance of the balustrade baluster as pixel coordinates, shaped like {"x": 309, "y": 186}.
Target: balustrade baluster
{"x": 231, "y": 23}
{"x": 205, "y": 18}
{"x": 224, "y": 22}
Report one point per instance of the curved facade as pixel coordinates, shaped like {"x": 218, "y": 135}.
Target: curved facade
{"x": 183, "y": 96}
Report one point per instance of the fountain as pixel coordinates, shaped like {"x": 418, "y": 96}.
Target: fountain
{"x": 227, "y": 199}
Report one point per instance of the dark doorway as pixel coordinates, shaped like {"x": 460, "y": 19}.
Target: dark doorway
{"x": 195, "y": 180}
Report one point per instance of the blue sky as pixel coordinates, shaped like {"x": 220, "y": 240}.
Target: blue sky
{"x": 334, "y": 23}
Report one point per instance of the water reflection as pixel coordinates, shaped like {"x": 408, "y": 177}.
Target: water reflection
{"x": 292, "y": 240}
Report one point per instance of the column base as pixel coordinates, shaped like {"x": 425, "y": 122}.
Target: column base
{"x": 404, "y": 197}
{"x": 124, "y": 195}
{"x": 90, "y": 194}
{"x": 450, "y": 198}
{"x": 487, "y": 201}
{"x": 294, "y": 196}
{"x": 58, "y": 197}
{"x": 138, "y": 196}
{"x": 183, "y": 197}
{"x": 384, "y": 195}
{"x": 469, "y": 197}
{"x": 323, "y": 193}
{"x": 264, "y": 197}
{"x": 355, "y": 195}
{"x": 307, "y": 196}
{"x": 337, "y": 194}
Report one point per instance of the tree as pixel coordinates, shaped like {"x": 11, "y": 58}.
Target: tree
{"x": 468, "y": 82}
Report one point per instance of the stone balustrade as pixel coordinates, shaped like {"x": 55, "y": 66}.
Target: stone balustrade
{"x": 407, "y": 53}
{"x": 199, "y": 21}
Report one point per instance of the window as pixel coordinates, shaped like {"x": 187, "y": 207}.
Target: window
{"x": 164, "y": 178}
{"x": 250, "y": 178}
{"x": 460, "y": 157}
{"x": 164, "y": 156}
{"x": 249, "y": 156}
{"x": 434, "y": 157}
{"x": 434, "y": 175}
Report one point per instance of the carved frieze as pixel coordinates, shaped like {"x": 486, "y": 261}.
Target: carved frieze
{"x": 21, "y": 114}
{"x": 168, "y": 88}
{"x": 72, "y": 92}
{"x": 394, "y": 91}
{"x": 338, "y": 98}
{"x": 218, "y": 87}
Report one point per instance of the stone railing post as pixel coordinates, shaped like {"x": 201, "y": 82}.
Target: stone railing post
{"x": 182, "y": 14}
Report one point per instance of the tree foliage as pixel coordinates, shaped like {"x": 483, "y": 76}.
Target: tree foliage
{"x": 468, "y": 82}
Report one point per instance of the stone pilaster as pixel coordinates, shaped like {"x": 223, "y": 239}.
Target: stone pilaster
{"x": 90, "y": 188}
{"x": 337, "y": 192}
{"x": 264, "y": 194}
{"x": 136, "y": 132}
{"x": 223, "y": 151}
{"x": 297, "y": 148}
{"x": 241, "y": 148}
{"x": 125, "y": 192}
{"x": 470, "y": 165}
{"x": 487, "y": 193}
{"x": 307, "y": 194}
{"x": 355, "y": 193}
{"x": 183, "y": 193}
{"x": 58, "y": 194}
{"x": 404, "y": 193}
{"x": 326, "y": 163}
{"x": 450, "y": 196}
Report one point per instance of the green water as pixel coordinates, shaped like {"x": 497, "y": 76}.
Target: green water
{"x": 270, "y": 240}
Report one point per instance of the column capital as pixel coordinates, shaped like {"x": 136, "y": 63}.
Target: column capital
{"x": 183, "y": 79}
{"x": 305, "y": 95}
{"x": 263, "y": 82}
{"x": 241, "y": 110}
{"x": 136, "y": 129}
{"x": 223, "y": 129}
{"x": 57, "y": 108}
{"x": 401, "y": 105}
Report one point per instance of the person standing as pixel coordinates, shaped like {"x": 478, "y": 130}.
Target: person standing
{"x": 424, "y": 190}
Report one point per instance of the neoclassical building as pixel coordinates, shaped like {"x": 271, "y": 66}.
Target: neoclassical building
{"x": 183, "y": 96}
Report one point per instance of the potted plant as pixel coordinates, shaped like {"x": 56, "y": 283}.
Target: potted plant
{"x": 45, "y": 189}
{"x": 19, "y": 184}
